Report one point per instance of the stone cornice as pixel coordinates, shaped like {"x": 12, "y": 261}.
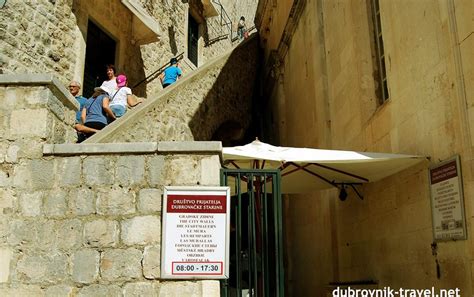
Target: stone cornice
{"x": 162, "y": 147}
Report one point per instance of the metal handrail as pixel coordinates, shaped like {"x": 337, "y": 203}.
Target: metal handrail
{"x": 223, "y": 14}
{"x": 157, "y": 72}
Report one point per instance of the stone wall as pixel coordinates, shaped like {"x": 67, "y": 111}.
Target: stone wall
{"x": 90, "y": 224}
{"x": 35, "y": 109}
{"x": 50, "y": 36}
{"x": 215, "y": 37}
{"x": 85, "y": 220}
{"x": 194, "y": 107}
{"x": 37, "y": 37}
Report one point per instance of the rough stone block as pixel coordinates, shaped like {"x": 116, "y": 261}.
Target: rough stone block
{"x": 140, "y": 289}
{"x": 5, "y": 178}
{"x": 151, "y": 262}
{"x": 81, "y": 202}
{"x": 155, "y": 166}
{"x": 70, "y": 169}
{"x": 100, "y": 290}
{"x": 69, "y": 234}
{"x": 98, "y": 170}
{"x": 183, "y": 288}
{"x": 5, "y": 259}
{"x": 130, "y": 170}
{"x": 39, "y": 269}
{"x": 59, "y": 290}
{"x": 210, "y": 288}
{"x": 3, "y": 148}
{"x": 101, "y": 233}
{"x": 22, "y": 232}
{"x": 22, "y": 290}
{"x": 47, "y": 234}
{"x": 29, "y": 149}
{"x": 4, "y": 229}
{"x": 121, "y": 264}
{"x": 85, "y": 266}
{"x": 182, "y": 171}
{"x": 55, "y": 203}
{"x": 12, "y": 154}
{"x": 141, "y": 230}
{"x": 35, "y": 174}
{"x": 7, "y": 201}
{"x": 115, "y": 202}
{"x": 30, "y": 204}
{"x": 210, "y": 171}
{"x": 149, "y": 200}
{"x": 57, "y": 268}
{"x": 30, "y": 122}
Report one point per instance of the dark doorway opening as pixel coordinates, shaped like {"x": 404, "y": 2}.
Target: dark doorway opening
{"x": 193, "y": 37}
{"x": 256, "y": 234}
{"x": 100, "y": 51}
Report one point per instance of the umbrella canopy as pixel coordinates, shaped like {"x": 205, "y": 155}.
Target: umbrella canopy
{"x": 307, "y": 170}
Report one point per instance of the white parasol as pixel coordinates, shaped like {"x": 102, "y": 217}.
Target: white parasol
{"x": 307, "y": 170}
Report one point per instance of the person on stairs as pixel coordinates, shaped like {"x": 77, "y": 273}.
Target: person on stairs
{"x": 74, "y": 88}
{"x": 171, "y": 74}
{"x": 110, "y": 83}
{"x": 94, "y": 113}
{"x": 122, "y": 97}
{"x": 242, "y": 29}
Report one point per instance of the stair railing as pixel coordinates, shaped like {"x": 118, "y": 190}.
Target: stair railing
{"x": 225, "y": 19}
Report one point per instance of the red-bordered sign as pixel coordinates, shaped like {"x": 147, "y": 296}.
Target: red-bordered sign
{"x": 195, "y": 233}
{"x": 447, "y": 201}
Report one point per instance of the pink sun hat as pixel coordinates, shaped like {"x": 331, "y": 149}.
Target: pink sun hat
{"x": 121, "y": 80}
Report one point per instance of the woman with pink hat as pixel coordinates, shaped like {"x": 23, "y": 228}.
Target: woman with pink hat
{"x": 122, "y": 97}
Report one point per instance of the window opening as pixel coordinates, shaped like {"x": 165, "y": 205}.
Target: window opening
{"x": 100, "y": 51}
{"x": 193, "y": 37}
{"x": 382, "y": 88}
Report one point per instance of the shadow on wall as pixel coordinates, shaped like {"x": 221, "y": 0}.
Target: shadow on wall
{"x": 226, "y": 111}
{"x": 137, "y": 74}
{"x": 172, "y": 37}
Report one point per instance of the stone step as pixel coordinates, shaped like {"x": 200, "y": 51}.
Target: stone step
{"x": 197, "y": 105}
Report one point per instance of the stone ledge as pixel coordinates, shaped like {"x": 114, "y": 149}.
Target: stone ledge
{"x": 133, "y": 148}
{"x": 37, "y": 79}
{"x": 100, "y": 148}
{"x": 189, "y": 146}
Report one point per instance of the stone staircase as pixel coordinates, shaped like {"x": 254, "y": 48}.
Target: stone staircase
{"x": 194, "y": 108}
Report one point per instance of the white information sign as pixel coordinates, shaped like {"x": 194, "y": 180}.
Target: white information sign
{"x": 195, "y": 236}
{"x": 447, "y": 203}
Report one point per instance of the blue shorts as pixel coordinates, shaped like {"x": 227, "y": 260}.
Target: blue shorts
{"x": 118, "y": 110}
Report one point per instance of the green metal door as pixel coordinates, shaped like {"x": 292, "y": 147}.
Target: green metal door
{"x": 256, "y": 242}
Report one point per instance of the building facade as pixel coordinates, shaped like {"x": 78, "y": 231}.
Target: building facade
{"x": 87, "y": 221}
{"x": 380, "y": 76}
{"x": 77, "y": 39}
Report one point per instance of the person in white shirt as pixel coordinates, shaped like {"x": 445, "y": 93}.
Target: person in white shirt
{"x": 241, "y": 28}
{"x": 122, "y": 97}
{"x": 111, "y": 83}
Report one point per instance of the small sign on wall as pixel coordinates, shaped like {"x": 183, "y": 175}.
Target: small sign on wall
{"x": 447, "y": 201}
{"x": 195, "y": 234}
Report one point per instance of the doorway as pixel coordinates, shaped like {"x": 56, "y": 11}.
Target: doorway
{"x": 193, "y": 37}
{"x": 100, "y": 51}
